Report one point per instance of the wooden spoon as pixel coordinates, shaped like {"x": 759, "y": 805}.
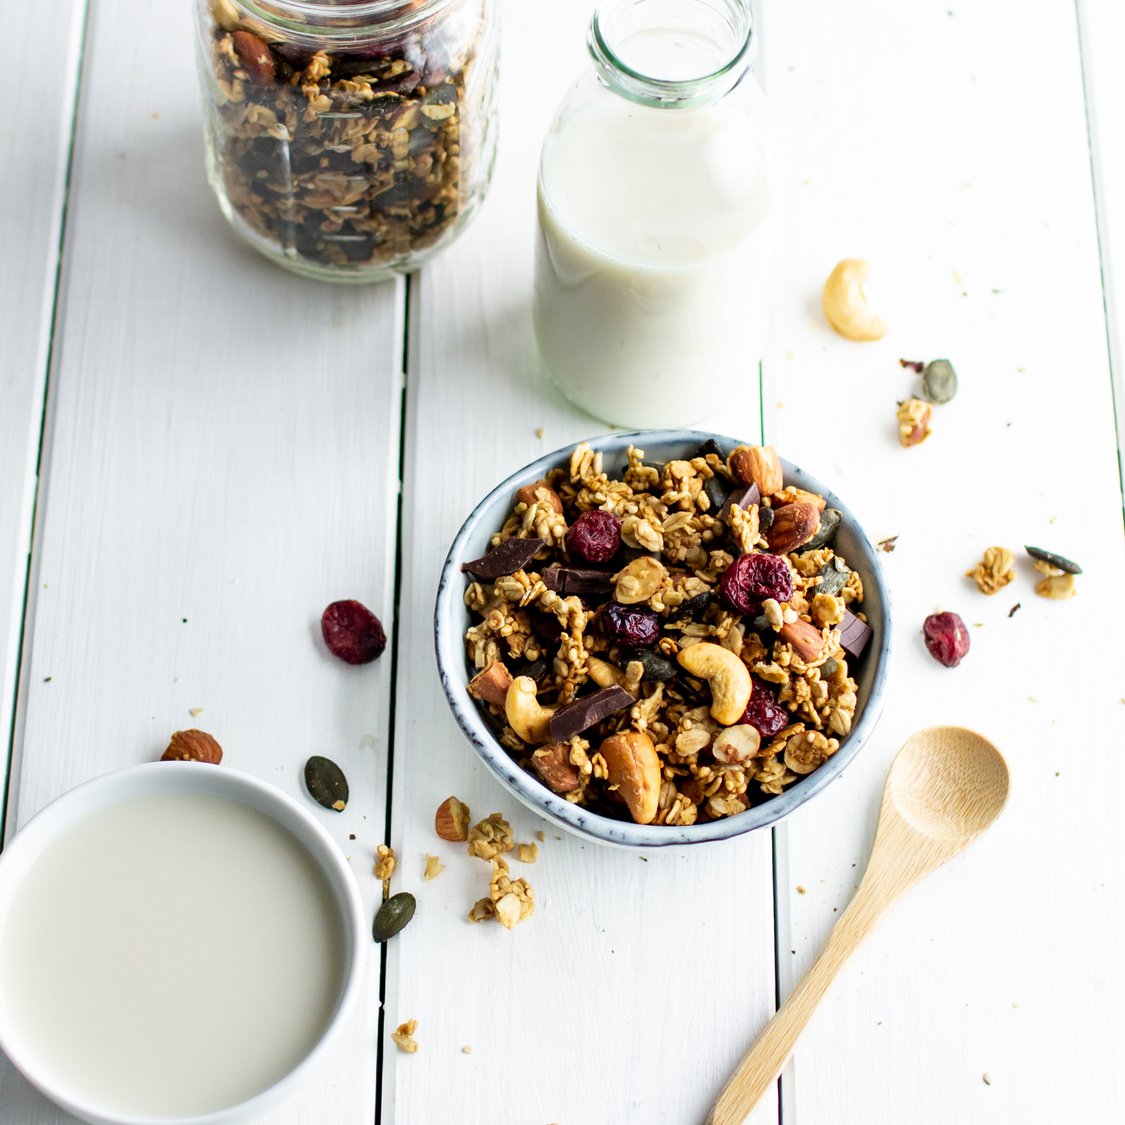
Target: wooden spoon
{"x": 945, "y": 787}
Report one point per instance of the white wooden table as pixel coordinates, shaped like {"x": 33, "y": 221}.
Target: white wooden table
{"x": 198, "y": 452}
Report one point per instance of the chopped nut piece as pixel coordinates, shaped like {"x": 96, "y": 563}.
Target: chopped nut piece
{"x": 994, "y": 571}
{"x": 434, "y": 867}
{"x": 384, "y": 866}
{"x": 482, "y": 910}
{"x": 528, "y": 853}
{"x": 403, "y": 1036}
{"x": 1057, "y": 587}
{"x": 451, "y": 821}
{"x": 490, "y": 837}
{"x": 492, "y": 684}
{"x": 913, "y": 422}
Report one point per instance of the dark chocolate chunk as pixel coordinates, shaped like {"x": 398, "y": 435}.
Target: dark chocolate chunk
{"x": 710, "y": 446}
{"x": 717, "y": 489}
{"x": 507, "y": 558}
{"x": 1051, "y": 559}
{"x": 854, "y": 635}
{"x": 744, "y": 497}
{"x": 584, "y": 713}
{"x": 583, "y": 581}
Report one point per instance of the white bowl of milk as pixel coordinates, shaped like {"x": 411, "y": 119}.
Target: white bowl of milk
{"x": 179, "y": 943}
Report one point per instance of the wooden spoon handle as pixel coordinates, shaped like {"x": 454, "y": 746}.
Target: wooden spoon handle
{"x": 764, "y": 1061}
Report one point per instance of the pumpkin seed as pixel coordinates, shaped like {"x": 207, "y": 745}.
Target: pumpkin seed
{"x": 710, "y": 446}
{"x": 657, "y": 668}
{"x": 939, "y": 381}
{"x": 1051, "y": 559}
{"x": 716, "y": 489}
{"x": 828, "y": 668}
{"x": 830, "y": 520}
{"x": 326, "y": 783}
{"x": 833, "y": 577}
{"x": 394, "y": 915}
{"x": 765, "y": 518}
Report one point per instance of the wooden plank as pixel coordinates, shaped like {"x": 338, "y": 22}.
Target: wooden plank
{"x": 222, "y": 457}
{"x": 1101, "y": 31}
{"x": 35, "y": 141}
{"x": 617, "y": 1001}
{"x": 951, "y": 151}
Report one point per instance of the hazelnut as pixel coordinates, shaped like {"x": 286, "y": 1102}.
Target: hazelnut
{"x": 451, "y": 821}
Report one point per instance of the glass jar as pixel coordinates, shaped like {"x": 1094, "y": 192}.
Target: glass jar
{"x": 348, "y": 139}
{"x": 655, "y": 248}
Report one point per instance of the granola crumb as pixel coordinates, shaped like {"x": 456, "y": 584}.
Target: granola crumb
{"x": 801, "y": 890}
{"x": 528, "y": 853}
{"x": 540, "y": 836}
{"x": 384, "y": 866}
{"x": 434, "y": 867}
{"x": 195, "y": 712}
{"x": 466, "y": 1050}
{"x": 403, "y": 1037}
{"x": 540, "y": 432}
{"x": 490, "y": 837}
{"x": 1014, "y": 610}
{"x": 994, "y": 571}
{"x": 986, "y": 1078}
{"x": 481, "y": 910}
{"x": 888, "y": 544}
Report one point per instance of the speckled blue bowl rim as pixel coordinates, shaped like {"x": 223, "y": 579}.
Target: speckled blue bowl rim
{"x": 451, "y": 617}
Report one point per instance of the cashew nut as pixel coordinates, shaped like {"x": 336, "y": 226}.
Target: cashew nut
{"x": 638, "y": 581}
{"x": 634, "y": 769}
{"x": 728, "y": 677}
{"x": 845, "y": 302}
{"x": 525, "y": 716}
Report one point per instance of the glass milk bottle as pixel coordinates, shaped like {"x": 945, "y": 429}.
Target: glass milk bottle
{"x": 654, "y": 258}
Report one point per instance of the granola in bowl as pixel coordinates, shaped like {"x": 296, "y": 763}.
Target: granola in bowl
{"x": 666, "y": 642}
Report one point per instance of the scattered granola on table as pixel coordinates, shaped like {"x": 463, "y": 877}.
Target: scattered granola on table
{"x": 995, "y": 570}
{"x": 349, "y": 144}
{"x": 384, "y": 866}
{"x": 671, "y": 644}
{"x": 490, "y": 837}
{"x": 434, "y": 867}
{"x": 403, "y": 1037}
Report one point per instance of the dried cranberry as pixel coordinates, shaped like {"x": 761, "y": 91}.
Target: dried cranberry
{"x": 751, "y": 579}
{"x": 352, "y": 632}
{"x": 630, "y": 625}
{"x": 764, "y": 713}
{"x": 595, "y": 536}
{"x": 946, "y": 638}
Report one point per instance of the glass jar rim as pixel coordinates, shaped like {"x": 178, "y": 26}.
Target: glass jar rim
{"x": 348, "y": 18}
{"x": 646, "y": 89}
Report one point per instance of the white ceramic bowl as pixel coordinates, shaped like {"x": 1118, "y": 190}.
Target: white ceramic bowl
{"x": 152, "y": 779}
{"x": 452, "y": 618}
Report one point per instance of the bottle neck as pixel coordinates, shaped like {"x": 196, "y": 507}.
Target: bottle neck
{"x": 671, "y": 54}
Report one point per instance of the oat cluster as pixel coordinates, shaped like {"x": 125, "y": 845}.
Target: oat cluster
{"x": 679, "y": 535}
{"x": 995, "y": 570}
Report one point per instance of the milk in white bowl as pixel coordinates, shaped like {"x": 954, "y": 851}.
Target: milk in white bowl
{"x": 655, "y": 251}
{"x": 176, "y": 941}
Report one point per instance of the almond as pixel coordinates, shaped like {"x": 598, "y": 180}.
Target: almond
{"x": 793, "y": 526}
{"x": 540, "y": 490}
{"x": 807, "y": 640}
{"x": 451, "y": 821}
{"x": 634, "y": 771}
{"x": 757, "y": 464}
{"x": 193, "y": 746}
{"x": 255, "y": 57}
{"x": 552, "y": 764}
{"x": 793, "y": 495}
{"x": 492, "y": 684}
